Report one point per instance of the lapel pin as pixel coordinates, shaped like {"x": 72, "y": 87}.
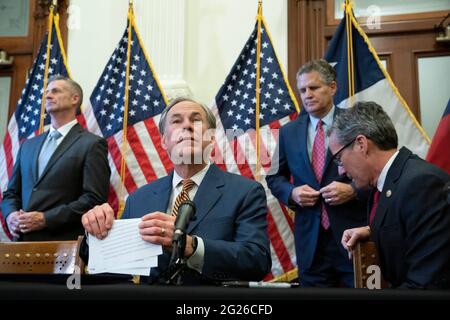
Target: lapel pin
{"x": 388, "y": 193}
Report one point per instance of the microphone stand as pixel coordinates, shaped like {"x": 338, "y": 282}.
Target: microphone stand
{"x": 178, "y": 262}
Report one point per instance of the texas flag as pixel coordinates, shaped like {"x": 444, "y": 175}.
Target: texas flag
{"x": 371, "y": 82}
{"x": 439, "y": 153}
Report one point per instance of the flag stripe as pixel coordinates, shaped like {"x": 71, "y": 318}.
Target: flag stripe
{"x": 140, "y": 154}
{"x": 288, "y": 218}
{"x": 278, "y": 244}
{"x": 113, "y": 199}
{"x": 115, "y": 154}
{"x": 81, "y": 120}
{"x": 7, "y": 149}
{"x": 439, "y": 152}
{"x": 265, "y": 159}
{"x": 131, "y": 162}
{"x": 156, "y": 140}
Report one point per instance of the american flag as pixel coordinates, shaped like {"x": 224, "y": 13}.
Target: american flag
{"x": 145, "y": 159}
{"x": 24, "y": 123}
{"x": 235, "y": 108}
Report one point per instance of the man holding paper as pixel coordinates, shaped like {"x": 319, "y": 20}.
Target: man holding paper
{"x": 227, "y": 239}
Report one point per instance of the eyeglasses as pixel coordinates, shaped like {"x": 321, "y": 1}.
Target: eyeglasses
{"x": 336, "y": 156}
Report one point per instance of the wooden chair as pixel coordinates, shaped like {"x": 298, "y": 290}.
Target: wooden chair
{"x": 364, "y": 256}
{"x": 48, "y": 257}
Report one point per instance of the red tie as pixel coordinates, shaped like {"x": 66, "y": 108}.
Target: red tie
{"x": 318, "y": 162}
{"x": 376, "y": 197}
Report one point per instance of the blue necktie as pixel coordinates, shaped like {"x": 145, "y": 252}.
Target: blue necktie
{"x": 47, "y": 150}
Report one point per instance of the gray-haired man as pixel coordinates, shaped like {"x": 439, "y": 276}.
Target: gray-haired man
{"x": 409, "y": 219}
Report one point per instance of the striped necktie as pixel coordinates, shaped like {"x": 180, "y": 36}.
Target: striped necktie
{"x": 188, "y": 184}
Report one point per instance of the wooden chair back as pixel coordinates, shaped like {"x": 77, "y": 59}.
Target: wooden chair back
{"x": 364, "y": 256}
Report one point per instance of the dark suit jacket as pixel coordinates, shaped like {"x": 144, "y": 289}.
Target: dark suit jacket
{"x": 412, "y": 225}
{"x": 75, "y": 180}
{"x": 294, "y": 161}
{"x": 230, "y": 218}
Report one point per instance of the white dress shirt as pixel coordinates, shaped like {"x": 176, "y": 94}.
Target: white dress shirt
{"x": 383, "y": 174}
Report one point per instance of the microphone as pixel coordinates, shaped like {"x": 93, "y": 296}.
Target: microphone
{"x": 186, "y": 212}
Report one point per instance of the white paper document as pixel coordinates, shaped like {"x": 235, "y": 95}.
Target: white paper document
{"x": 123, "y": 250}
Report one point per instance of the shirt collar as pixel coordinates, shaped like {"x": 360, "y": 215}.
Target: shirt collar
{"x": 328, "y": 119}
{"x": 197, "y": 178}
{"x": 383, "y": 174}
{"x": 64, "y": 130}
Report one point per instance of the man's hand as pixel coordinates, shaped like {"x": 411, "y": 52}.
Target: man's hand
{"x": 158, "y": 227}
{"x": 305, "y": 196}
{"x": 337, "y": 193}
{"x": 99, "y": 220}
{"x": 31, "y": 221}
{"x": 13, "y": 223}
{"x": 351, "y": 236}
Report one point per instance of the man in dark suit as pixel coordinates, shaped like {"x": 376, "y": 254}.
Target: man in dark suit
{"x": 410, "y": 216}
{"x": 58, "y": 175}
{"x": 307, "y": 180}
{"x": 228, "y": 238}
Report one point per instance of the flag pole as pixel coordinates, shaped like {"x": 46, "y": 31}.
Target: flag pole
{"x": 258, "y": 91}
{"x": 389, "y": 79}
{"x": 350, "y": 65}
{"x": 47, "y": 62}
{"x": 125, "y": 114}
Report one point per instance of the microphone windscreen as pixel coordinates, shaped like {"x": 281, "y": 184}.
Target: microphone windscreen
{"x": 186, "y": 212}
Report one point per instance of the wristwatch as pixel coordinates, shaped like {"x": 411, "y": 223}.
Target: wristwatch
{"x": 194, "y": 244}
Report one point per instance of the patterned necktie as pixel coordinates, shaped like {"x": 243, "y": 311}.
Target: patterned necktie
{"x": 318, "y": 162}
{"x": 376, "y": 198}
{"x": 47, "y": 150}
{"x": 188, "y": 184}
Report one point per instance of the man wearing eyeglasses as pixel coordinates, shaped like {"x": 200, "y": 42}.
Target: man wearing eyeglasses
{"x": 309, "y": 182}
{"x": 410, "y": 216}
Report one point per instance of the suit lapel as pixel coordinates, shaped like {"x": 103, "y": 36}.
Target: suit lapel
{"x": 163, "y": 191}
{"x": 72, "y": 136}
{"x": 328, "y": 154}
{"x": 207, "y": 194}
{"x": 389, "y": 188}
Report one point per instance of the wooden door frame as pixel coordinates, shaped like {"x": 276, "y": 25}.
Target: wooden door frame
{"x": 25, "y": 48}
